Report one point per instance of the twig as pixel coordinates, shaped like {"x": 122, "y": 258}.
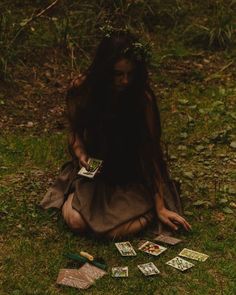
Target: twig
{"x": 31, "y": 19}
{"x": 218, "y": 72}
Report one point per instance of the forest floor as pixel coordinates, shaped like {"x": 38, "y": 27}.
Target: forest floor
{"x": 198, "y": 119}
{"x": 197, "y": 95}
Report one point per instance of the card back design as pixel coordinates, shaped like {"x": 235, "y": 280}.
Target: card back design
{"x": 73, "y": 278}
{"x": 168, "y": 240}
{"x": 81, "y": 278}
{"x": 91, "y": 272}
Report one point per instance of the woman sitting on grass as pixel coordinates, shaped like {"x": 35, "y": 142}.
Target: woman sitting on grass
{"x": 113, "y": 116}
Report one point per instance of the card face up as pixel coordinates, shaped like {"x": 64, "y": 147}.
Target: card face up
{"x": 152, "y": 248}
{"x": 148, "y": 269}
{"x": 81, "y": 278}
{"x": 180, "y": 263}
{"x": 94, "y": 165}
{"x": 193, "y": 255}
{"x": 167, "y": 240}
{"x": 120, "y": 272}
{"x": 125, "y": 249}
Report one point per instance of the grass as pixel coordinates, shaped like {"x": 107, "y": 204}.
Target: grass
{"x": 33, "y": 241}
{"x": 197, "y": 95}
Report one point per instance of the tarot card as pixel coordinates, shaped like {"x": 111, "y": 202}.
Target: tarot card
{"x": 193, "y": 255}
{"x": 125, "y": 249}
{"x": 180, "y": 263}
{"x": 94, "y": 165}
{"x": 149, "y": 269}
{"x": 120, "y": 272}
{"x": 167, "y": 240}
{"x": 152, "y": 248}
{"x": 73, "y": 278}
{"x": 91, "y": 272}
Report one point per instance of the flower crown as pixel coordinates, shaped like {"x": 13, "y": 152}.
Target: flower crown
{"x": 141, "y": 51}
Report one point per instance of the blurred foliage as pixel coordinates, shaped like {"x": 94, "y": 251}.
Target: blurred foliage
{"x": 70, "y": 28}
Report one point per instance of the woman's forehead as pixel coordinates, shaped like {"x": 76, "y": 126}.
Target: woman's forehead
{"x": 124, "y": 65}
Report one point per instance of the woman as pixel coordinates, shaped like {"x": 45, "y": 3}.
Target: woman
{"x": 113, "y": 117}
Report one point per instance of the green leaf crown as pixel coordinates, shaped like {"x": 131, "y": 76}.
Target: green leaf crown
{"x": 141, "y": 50}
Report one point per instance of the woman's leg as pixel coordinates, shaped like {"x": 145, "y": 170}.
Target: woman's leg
{"x": 131, "y": 227}
{"x": 72, "y": 217}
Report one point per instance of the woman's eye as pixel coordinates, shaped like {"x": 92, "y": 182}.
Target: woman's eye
{"x": 118, "y": 74}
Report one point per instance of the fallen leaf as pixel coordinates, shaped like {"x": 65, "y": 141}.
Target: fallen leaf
{"x": 183, "y": 101}
{"x": 219, "y": 216}
{"x": 189, "y": 174}
{"x": 227, "y": 210}
{"x": 183, "y": 135}
{"x": 233, "y": 144}
{"x": 232, "y": 204}
{"x": 199, "y": 148}
{"x": 222, "y": 201}
{"x": 188, "y": 213}
{"x": 199, "y": 203}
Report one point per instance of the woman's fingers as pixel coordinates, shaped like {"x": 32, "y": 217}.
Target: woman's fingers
{"x": 84, "y": 163}
{"x": 173, "y": 219}
{"x": 179, "y": 219}
{"x": 170, "y": 224}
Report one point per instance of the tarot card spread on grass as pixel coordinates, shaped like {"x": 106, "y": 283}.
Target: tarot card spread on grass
{"x": 81, "y": 278}
{"x": 94, "y": 165}
{"x": 125, "y": 249}
{"x": 149, "y": 269}
{"x": 120, "y": 272}
{"x": 193, "y": 255}
{"x": 167, "y": 240}
{"x": 152, "y": 248}
{"x": 180, "y": 263}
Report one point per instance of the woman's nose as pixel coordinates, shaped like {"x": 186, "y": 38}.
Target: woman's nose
{"x": 125, "y": 79}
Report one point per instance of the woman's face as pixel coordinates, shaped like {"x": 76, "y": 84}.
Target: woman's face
{"x": 123, "y": 74}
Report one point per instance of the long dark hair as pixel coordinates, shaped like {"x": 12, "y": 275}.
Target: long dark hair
{"x": 96, "y": 87}
{"x": 87, "y": 99}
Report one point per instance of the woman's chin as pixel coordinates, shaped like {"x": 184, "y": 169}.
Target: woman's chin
{"x": 121, "y": 89}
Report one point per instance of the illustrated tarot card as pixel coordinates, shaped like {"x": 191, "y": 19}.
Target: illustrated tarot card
{"x": 180, "y": 263}
{"x": 149, "y": 269}
{"x": 167, "y": 240}
{"x": 125, "y": 249}
{"x": 73, "y": 278}
{"x": 152, "y": 248}
{"x": 94, "y": 165}
{"x": 193, "y": 255}
{"x": 120, "y": 272}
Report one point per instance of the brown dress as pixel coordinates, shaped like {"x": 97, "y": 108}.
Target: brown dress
{"x": 119, "y": 193}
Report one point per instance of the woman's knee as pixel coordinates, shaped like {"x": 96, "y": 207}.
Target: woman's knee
{"x": 76, "y": 222}
{"x": 130, "y": 227}
{"x": 73, "y": 218}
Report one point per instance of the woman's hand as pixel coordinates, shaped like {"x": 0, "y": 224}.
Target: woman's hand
{"x": 172, "y": 219}
{"x": 83, "y": 160}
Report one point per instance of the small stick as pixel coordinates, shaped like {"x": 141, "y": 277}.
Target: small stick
{"x": 32, "y": 18}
